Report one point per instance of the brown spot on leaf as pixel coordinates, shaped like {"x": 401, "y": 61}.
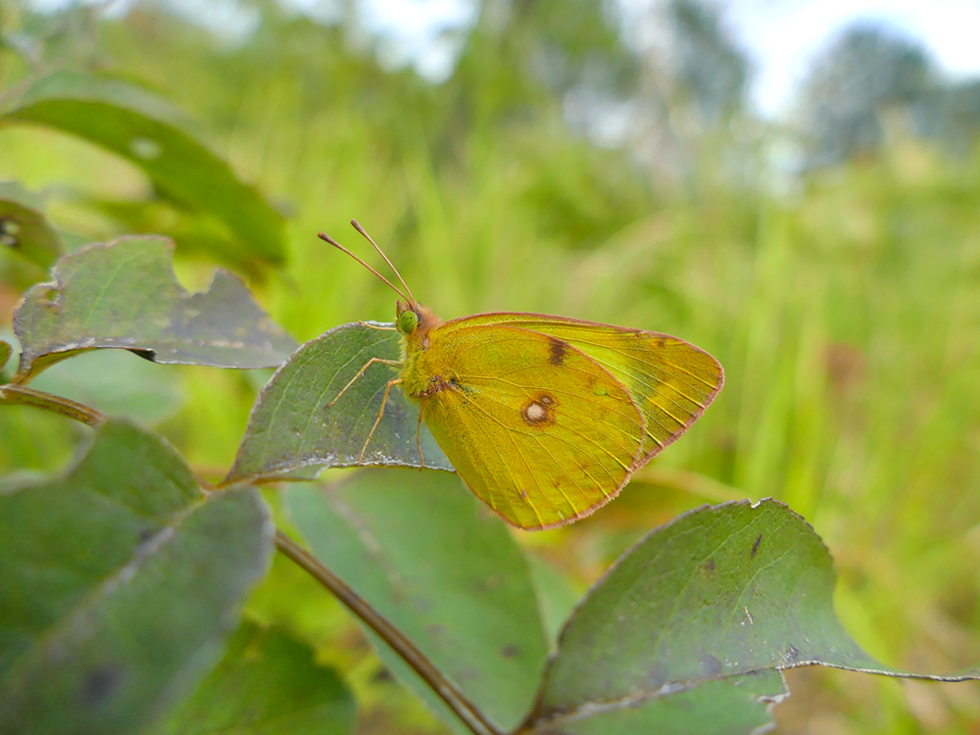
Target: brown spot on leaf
{"x": 100, "y": 683}
{"x": 710, "y": 665}
{"x": 558, "y": 350}
{"x": 755, "y": 546}
{"x": 709, "y": 566}
{"x": 510, "y": 651}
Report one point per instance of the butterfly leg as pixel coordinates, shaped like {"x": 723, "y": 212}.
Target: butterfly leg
{"x": 365, "y": 366}
{"x": 378, "y": 327}
{"x": 381, "y": 413}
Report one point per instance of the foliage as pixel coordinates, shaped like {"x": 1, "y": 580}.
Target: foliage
{"x": 844, "y": 310}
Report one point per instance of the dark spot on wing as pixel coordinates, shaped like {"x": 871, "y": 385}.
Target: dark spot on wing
{"x": 558, "y": 349}
{"x": 755, "y": 546}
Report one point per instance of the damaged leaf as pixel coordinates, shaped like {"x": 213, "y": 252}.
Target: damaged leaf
{"x": 705, "y": 611}
{"x": 124, "y": 295}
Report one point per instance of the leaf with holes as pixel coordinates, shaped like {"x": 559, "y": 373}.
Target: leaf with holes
{"x": 24, "y": 229}
{"x": 689, "y": 630}
{"x": 266, "y": 683}
{"x": 118, "y": 584}
{"x": 143, "y": 129}
{"x": 124, "y": 295}
{"x": 295, "y": 424}
{"x": 427, "y": 555}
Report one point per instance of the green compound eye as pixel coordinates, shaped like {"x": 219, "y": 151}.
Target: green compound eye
{"x": 408, "y": 321}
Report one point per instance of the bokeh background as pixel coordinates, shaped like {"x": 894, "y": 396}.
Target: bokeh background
{"x": 793, "y": 186}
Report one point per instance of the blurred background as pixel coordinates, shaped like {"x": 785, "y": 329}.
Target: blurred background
{"x": 792, "y": 185}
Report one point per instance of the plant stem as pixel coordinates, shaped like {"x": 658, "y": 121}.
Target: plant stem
{"x": 14, "y": 394}
{"x": 468, "y": 713}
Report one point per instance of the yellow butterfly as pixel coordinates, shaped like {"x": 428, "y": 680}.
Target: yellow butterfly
{"x": 545, "y": 418}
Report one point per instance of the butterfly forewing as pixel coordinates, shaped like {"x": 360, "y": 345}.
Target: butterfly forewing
{"x": 538, "y": 429}
{"x": 671, "y": 381}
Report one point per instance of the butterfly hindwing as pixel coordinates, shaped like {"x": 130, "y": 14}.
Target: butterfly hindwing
{"x": 537, "y": 429}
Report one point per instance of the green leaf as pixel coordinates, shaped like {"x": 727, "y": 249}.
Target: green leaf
{"x": 266, "y": 683}
{"x": 24, "y": 229}
{"x": 293, "y": 427}
{"x": 5, "y": 351}
{"x": 118, "y": 583}
{"x": 682, "y": 619}
{"x": 142, "y": 129}
{"x": 124, "y": 295}
{"x": 112, "y": 382}
{"x": 426, "y": 554}
{"x": 557, "y": 596}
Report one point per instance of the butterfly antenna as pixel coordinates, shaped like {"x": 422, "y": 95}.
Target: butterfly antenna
{"x": 357, "y": 226}
{"x": 326, "y": 238}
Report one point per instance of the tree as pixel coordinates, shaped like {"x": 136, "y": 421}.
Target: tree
{"x": 867, "y": 70}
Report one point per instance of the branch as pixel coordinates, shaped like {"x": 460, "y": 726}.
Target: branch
{"x": 13, "y": 394}
{"x": 469, "y": 713}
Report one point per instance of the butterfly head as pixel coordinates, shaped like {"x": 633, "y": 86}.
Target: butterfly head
{"x": 407, "y": 318}
{"x": 415, "y": 322}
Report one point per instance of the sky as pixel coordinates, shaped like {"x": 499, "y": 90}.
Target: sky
{"x": 781, "y": 37}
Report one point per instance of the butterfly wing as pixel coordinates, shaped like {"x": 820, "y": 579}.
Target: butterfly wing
{"x": 671, "y": 381}
{"x": 541, "y": 442}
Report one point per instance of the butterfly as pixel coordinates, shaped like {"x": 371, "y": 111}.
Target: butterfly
{"x": 544, "y": 417}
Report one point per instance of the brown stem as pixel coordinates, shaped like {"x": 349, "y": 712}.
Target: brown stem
{"x": 468, "y": 713}
{"x": 22, "y": 395}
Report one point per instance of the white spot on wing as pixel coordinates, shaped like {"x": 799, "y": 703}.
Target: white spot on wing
{"x": 535, "y": 412}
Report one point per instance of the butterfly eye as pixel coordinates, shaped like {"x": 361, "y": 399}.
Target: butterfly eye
{"x": 407, "y": 321}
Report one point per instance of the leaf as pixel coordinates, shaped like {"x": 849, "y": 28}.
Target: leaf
{"x": 24, "y": 229}
{"x": 5, "y": 351}
{"x": 678, "y": 624}
{"x": 427, "y": 555}
{"x": 117, "y": 585}
{"x": 292, "y": 427}
{"x": 141, "y": 128}
{"x": 124, "y": 295}
{"x": 266, "y": 683}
